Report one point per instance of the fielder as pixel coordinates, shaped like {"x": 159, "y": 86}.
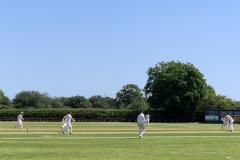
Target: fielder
{"x": 19, "y": 121}
{"x": 67, "y": 127}
{"x": 141, "y": 124}
{"x": 229, "y": 121}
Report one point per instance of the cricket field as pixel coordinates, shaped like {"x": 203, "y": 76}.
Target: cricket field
{"x": 118, "y": 141}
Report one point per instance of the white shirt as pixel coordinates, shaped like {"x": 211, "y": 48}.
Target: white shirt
{"x": 229, "y": 118}
{"x": 141, "y": 118}
{"x": 19, "y": 117}
{"x": 68, "y": 118}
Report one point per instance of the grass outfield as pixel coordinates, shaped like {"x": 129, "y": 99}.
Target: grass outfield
{"x": 118, "y": 141}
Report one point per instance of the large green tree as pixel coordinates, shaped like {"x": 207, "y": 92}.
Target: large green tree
{"x": 26, "y": 99}
{"x": 223, "y": 103}
{"x": 175, "y": 88}
{"x": 128, "y": 94}
{"x": 131, "y": 97}
{"x": 99, "y": 102}
{"x": 76, "y": 102}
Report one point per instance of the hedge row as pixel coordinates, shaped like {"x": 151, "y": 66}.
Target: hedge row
{"x": 78, "y": 114}
{"x": 87, "y": 114}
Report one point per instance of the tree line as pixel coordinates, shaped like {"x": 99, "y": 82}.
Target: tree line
{"x": 129, "y": 97}
{"x": 174, "y": 90}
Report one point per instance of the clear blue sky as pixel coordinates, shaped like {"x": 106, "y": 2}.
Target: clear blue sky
{"x": 94, "y": 47}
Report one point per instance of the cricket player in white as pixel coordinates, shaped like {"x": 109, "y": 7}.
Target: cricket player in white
{"x": 67, "y": 127}
{"x": 229, "y": 120}
{"x": 225, "y": 122}
{"x": 19, "y": 121}
{"x": 147, "y": 117}
{"x": 141, "y": 124}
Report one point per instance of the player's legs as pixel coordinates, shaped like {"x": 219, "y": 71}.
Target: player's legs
{"x": 70, "y": 128}
{"x": 141, "y": 129}
{"x": 19, "y": 124}
{"x": 231, "y": 126}
{"x": 63, "y": 128}
{"x": 66, "y": 128}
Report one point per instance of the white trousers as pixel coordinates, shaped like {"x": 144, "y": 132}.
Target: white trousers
{"x": 19, "y": 124}
{"x": 67, "y": 127}
{"x": 141, "y": 127}
{"x": 231, "y": 126}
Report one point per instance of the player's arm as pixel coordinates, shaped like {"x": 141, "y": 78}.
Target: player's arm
{"x": 73, "y": 119}
{"x": 63, "y": 120}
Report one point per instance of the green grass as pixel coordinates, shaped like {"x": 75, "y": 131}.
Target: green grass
{"x": 118, "y": 141}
